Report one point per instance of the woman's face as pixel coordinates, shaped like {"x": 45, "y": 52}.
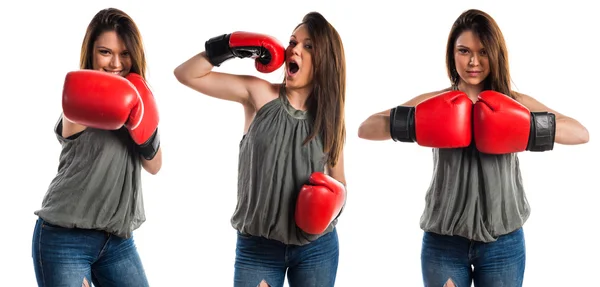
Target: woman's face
{"x": 110, "y": 54}
{"x": 471, "y": 58}
{"x": 298, "y": 59}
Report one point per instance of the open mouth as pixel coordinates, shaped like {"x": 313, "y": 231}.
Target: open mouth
{"x": 293, "y": 67}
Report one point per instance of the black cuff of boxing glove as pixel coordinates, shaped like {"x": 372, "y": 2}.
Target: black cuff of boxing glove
{"x": 217, "y": 49}
{"x": 149, "y": 149}
{"x": 402, "y": 124}
{"x": 542, "y": 131}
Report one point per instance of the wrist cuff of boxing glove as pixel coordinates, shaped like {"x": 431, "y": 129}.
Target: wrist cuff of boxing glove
{"x": 149, "y": 149}
{"x": 217, "y": 49}
{"x": 402, "y": 124}
{"x": 543, "y": 131}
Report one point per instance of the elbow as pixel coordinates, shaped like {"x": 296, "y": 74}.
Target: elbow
{"x": 573, "y": 136}
{"x": 152, "y": 166}
{"x": 182, "y": 75}
{"x": 585, "y": 136}
{"x": 363, "y": 132}
{"x": 580, "y": 135}
{"x": 179, "y": 75}
{"x": 370, "y": 130}
{"x": 153, "y": 169}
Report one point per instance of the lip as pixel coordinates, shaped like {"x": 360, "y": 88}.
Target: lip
{"x": 287, "y": 71}
{"x": 473, "y": 73}
{"x": 114, "y": 72}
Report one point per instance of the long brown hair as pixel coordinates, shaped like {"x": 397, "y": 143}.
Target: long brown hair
{"x": 112, "y": 19}
{"x": 488, "y": 31}
{"x": 328, "y": 96}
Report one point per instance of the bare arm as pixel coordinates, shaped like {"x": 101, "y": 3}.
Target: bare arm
{"x": 568, "y": 130}
{"x": 153, "y": 166}
{"x": 337, "y": 171}
{"x": 377, "y": 126}
{"x": 196, "y": 73}
{"x": 70, "y": 128}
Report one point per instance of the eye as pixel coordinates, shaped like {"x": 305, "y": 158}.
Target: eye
{"x": 308, "y": 46}
{"x": 125, "y": 54}
{"x": 483, "y": 53}
{"x": 293, "y": 43}
{"x": 463, "y": 51}
{"x": 104, "y": 52}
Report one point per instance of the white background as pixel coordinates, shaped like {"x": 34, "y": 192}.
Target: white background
{"x": 394, "y": 52}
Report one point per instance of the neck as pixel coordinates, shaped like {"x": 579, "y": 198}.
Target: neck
{"x": 471, "y": 90}
{"x": 298, "y": 96}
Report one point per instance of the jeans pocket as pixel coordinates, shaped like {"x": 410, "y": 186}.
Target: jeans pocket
{"x": 244, "y": 235}
{"x": 48, "y": 226}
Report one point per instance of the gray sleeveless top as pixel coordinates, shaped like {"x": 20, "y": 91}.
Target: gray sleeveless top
{"x": 273, "y": 166}
{"x": 98, "y": 183}
{"x": 474, "y": 195}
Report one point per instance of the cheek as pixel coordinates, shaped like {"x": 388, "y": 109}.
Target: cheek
{"x": 485, "y": 63}
{"x": 100, "y": 61}
{"x": 96, "y": 62}
{"x": 461, "y": 62}
{"x": 126, "y": 62}
{"x": 308, "y": 64}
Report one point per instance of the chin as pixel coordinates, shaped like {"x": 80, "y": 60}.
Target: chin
{"x": 475, "y": 82}
{"x": 291, "y": 84}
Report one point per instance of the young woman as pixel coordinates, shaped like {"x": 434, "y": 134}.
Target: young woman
{"x": 476, "y": 205}
{"x": 291, "y": 173}
{"x": 91, "y": 208}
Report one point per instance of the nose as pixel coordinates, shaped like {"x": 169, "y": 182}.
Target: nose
{"x": 115, "y": 62}
{"x": 474, "y": 60}
{"x": 296, "y": 50}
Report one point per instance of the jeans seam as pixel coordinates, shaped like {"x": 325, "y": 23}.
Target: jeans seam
{"x": 103, "y": 248}
{"x": 39, "y": 259}
{"x": 470, "y": 252}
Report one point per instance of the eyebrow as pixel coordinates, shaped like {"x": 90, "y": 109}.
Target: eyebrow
{"x": 305, "y": 39}
{"x": 463, "y": 46}
{"x": 102, "y": 47}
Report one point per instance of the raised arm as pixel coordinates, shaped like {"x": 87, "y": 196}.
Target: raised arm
{"x": 196, "y": 73}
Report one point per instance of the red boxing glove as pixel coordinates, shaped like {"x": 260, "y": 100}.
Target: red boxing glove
{"x": 319, "y": 203}
{"x": 442, "y": 121}
{"x": 145, "y": 135}
{"x": 267, "y": 51}
{"x": 100, "y": 100}
{"x": 502, "y": 125}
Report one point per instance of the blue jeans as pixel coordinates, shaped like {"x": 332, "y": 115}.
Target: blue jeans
{"x": 494, "y": 264}
{"x": 69, "y": 256}
{"x": 259, "y": 259}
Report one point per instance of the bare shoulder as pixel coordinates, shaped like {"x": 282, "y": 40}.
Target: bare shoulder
{"x": 519, "y": 97}
{"x": 422, "y": 97}
{"x": 417, "y": 99}
{"x": 524, "y": 99}
{"x": 533, "y": 104}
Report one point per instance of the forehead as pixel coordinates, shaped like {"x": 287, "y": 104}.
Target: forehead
{"x": 301, "y": 32}
{"x": 111, "y": 40}
{"x": 469, "y": 39}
